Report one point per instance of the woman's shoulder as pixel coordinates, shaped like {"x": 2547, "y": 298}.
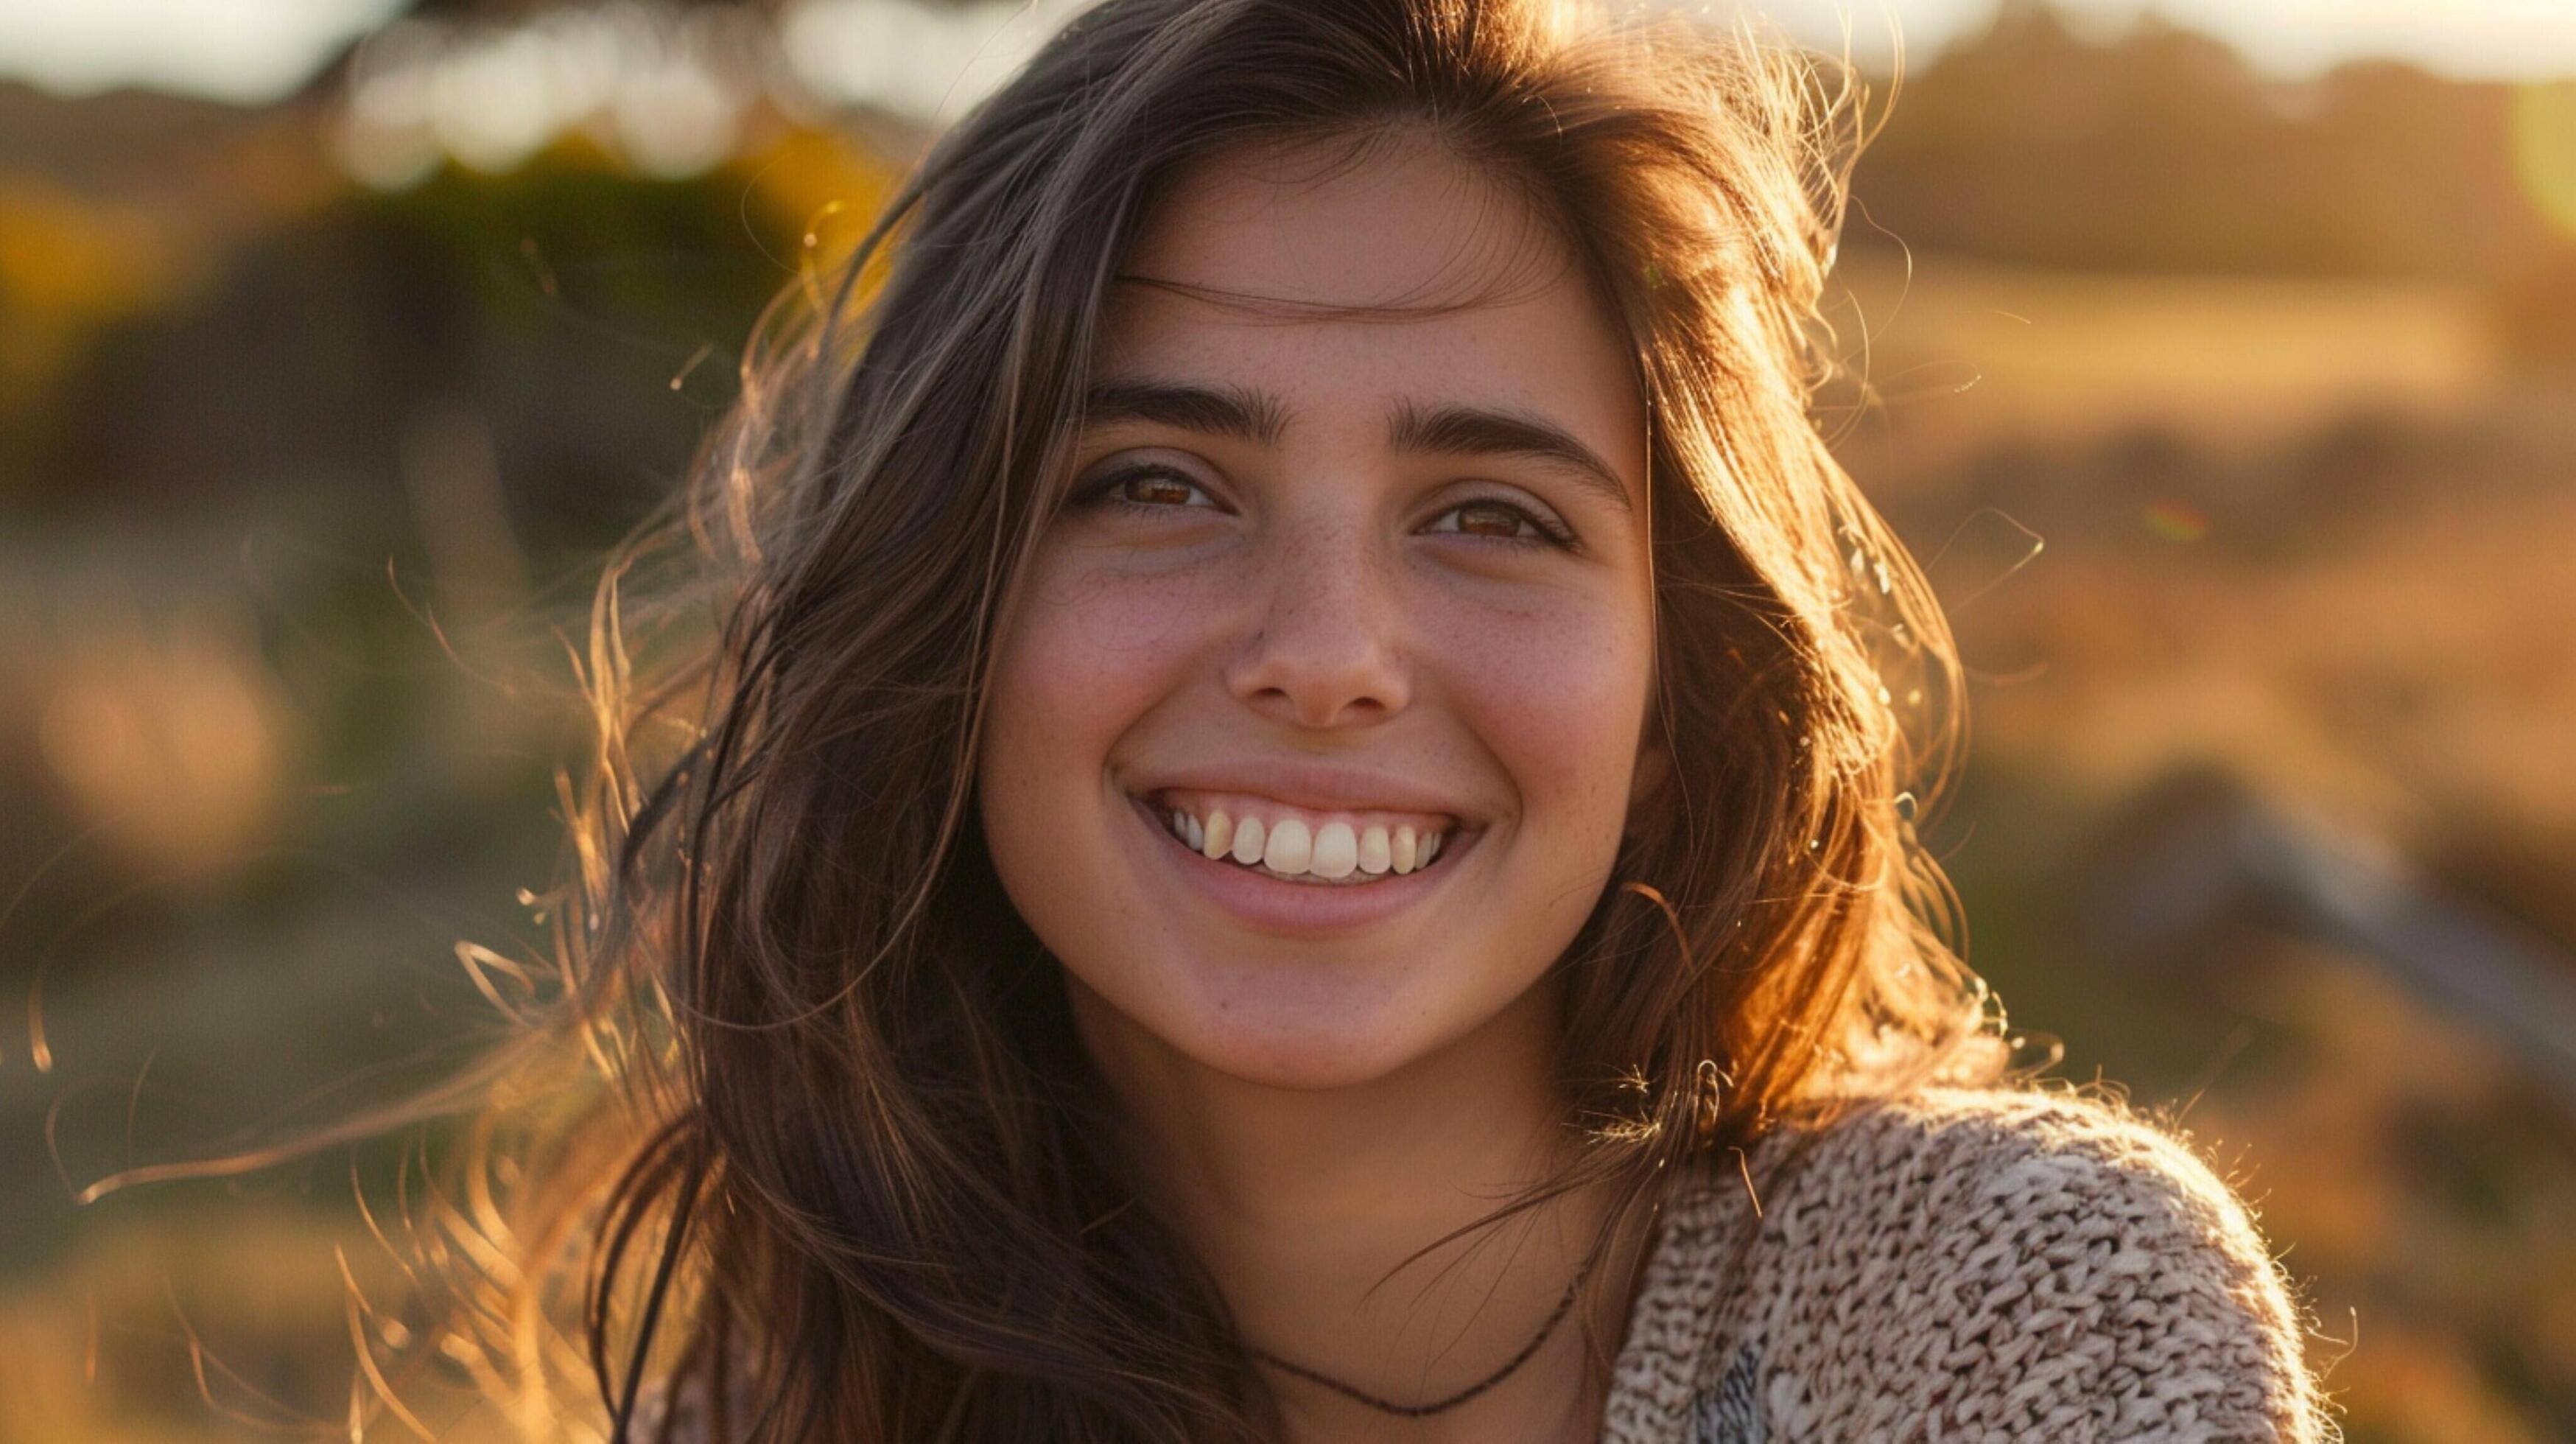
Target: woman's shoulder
{"x": 2005, "y": 1261}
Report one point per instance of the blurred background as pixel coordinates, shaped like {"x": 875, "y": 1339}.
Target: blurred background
{"x": 2222, "y": 368}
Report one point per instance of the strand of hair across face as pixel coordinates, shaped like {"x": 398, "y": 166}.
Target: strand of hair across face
{"x": 1528, "y": 1351}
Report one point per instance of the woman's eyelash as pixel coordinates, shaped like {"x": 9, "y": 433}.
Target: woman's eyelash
{"x": 1109, "y": 491}
{"x": 1551, "y": 532}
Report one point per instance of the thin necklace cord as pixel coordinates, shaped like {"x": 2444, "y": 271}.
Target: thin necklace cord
{"x": 1528, "y": 1351}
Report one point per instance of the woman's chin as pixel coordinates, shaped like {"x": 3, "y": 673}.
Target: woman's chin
{"x": 1303, "y": 1033}
{"x": 1308, "y": 1060}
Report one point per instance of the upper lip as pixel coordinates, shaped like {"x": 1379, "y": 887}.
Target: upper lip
{"x": 1317, "y": 786}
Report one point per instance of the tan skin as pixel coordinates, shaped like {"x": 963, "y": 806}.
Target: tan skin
{"x": 1316, "y": 1102}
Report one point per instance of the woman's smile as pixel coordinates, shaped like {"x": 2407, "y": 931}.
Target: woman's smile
{"x": 1288, "y": 849}
{"x": 1282, "y": 842}
{"x": 1291, "y": 870}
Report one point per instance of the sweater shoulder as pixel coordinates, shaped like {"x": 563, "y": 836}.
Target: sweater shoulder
{"x": 1998, "y": 1259}
{"x": 1948, "y": 1166}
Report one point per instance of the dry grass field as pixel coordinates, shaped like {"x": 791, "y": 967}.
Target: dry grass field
{"x": 2313, "y": 539}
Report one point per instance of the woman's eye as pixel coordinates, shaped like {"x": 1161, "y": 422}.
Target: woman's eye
{"x": 1503, "y": 521}
{"x": 1147, "y": 488}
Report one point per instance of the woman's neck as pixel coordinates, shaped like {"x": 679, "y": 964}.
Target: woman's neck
{"x": 1306, "y": 1203}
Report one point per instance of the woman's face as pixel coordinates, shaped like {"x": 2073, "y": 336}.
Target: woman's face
{"x": 1367, "y": 586}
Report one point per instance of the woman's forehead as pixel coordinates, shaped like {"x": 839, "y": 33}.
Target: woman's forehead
{"x": 1406, "y": 224}
{"x": 1337, "y": 286}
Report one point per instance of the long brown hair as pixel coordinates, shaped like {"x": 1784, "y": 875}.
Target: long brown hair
{"x": 837, "y": 1135}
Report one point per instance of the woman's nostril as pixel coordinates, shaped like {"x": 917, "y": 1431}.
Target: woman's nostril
{"x": 1319, "y": 715}
{"x": 1321, "y": 671}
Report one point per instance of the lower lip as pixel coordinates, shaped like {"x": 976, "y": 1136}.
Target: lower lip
{"x": 1298, "y": 909}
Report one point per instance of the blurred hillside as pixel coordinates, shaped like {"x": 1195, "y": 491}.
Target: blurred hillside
{"x": 312, "y": 417}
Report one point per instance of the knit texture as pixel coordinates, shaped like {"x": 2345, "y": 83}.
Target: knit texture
{"x": 1963, "y": 1264}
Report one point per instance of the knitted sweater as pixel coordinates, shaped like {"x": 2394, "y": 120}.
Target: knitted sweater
{"x": 1956, "y": 1264}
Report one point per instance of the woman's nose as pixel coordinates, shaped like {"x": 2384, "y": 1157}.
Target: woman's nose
{"x": 1327, "y": 648}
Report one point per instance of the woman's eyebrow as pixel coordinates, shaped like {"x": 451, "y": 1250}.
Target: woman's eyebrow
{"x": 1219, "y": 410}
{"x": 1481, "y": 431}
{"x": 1254, "y": 415}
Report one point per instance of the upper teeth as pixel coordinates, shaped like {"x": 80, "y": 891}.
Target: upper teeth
{"x": 1333, "y": 851}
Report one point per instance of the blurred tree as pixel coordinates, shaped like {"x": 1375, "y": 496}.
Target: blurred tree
{"x": 2163, "y": 150}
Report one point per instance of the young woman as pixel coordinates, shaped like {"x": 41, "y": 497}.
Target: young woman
{"x": 1301, "y": 824}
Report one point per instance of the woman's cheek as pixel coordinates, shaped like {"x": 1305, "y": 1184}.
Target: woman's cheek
{"x": 1557, "y": 691}
{"x": 1088, "y": 656}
